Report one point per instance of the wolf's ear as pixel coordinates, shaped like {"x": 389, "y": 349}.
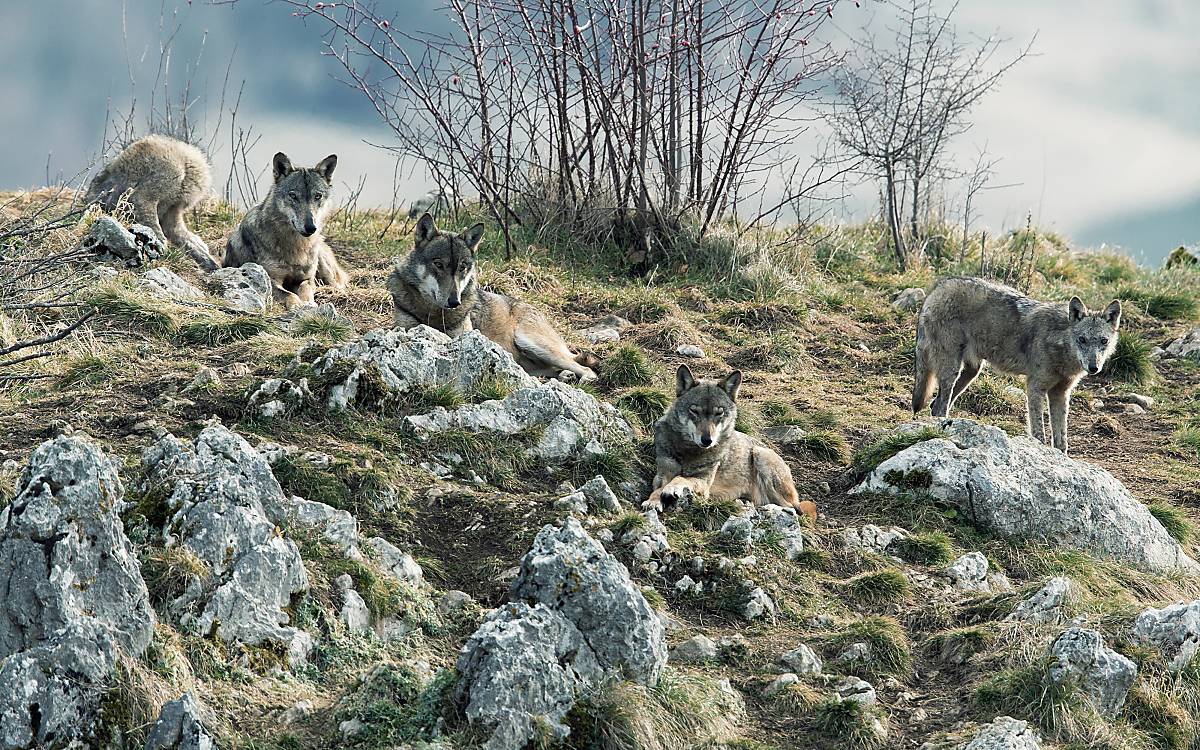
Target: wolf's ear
{"x": 326, "y": 166}
{"x": 282, "y": 166}
{"x": 684, "y": 380}
{"x": 1076, "y": 310}
{"x": 731, "y": 384}
{"x": 426, "y": 230}
{"x": 1113, "y": 313}
{"x": 473, "y": 235}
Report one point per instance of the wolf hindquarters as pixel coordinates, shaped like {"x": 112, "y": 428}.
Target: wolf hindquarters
{"x": 773, "y": 483}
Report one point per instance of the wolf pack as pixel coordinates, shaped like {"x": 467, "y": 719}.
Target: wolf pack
{"x": 963, "y": 324}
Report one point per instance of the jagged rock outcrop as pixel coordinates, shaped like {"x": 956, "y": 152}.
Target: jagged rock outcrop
{"x": 108, "y": 240}
{"x": 520, "y": 673}
{"x": 385, "y": 364}
{"x": 577, "y": 621}
{"x": 1174, "y": 630}
{"x": 1019, "y": 489}
{"x": 278, "y": 396}
{"x": 71, "y": 594}
{"x": 572, "y": 573}
{"x": 180, "y": 726}
{"x": 1082, "y": 659}
{"x": 225, "y": 508}
{"x": 569, "y": 422}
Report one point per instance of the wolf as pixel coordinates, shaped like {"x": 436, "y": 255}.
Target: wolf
{"x": 968, "y": 321}
{"x": 697, "y": 449}
{"x": 162, "y": 179}
{"x": 283, "y": 233}
{"x": 435, "y": 285}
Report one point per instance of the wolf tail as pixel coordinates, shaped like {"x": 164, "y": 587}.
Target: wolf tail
{"x": 923, "y": 378}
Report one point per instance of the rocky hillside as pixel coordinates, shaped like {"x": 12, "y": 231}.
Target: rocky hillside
{"x": 229, "y": 527}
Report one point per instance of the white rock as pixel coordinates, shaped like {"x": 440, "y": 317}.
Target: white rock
{"x": 1186, "y": 346}
{"x": 165, "y": 283}
{"x": 1005, "y": 733}
{"x": 785, "y": 435}
{"x": 246, "y": 289}
{"x": 298, "y": 711}
{"x": 910, "y": 299}
{"x": 1046, "y": 605}
{"x": 781, "y": 683}
{"x": 758, "y": 603}
{"x": 872, "y": 538}
{"x": 354, "y": 614}
{"x": 690, "y": 350}
{"x": 856, "y": 690}
{"x": 698, "y": 649}
{"x": 1018, "y": 489}
{"x": 802, "y": 660}
{"x": 855, "y": 654}
{"x": 1175, "y": 630}
{"x": 1082, "y": 658}
{"x": 1145, "y": 402}
{"x": 970, "y": 572}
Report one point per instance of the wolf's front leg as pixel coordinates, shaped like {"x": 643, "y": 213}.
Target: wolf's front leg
{"x": 285, "y": 297}
{"x": 1036, "y": 400}
{"x": 1060, "y": 404}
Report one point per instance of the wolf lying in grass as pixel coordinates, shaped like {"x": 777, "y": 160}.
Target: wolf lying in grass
{"x": 161, "y": 178}
{"x": 283, "y": 233}
{"x": 435, "y": 286}
{"x": 698, "y": 450}
{"x": 966, "y": 322}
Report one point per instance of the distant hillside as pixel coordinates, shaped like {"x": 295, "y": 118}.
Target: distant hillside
{"x": 1149, "y": 236}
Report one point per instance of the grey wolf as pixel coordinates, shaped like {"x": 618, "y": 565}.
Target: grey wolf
{"x": 283, "y": 233}
{"x": 966, "y": 322}
{"x": 435, "y": 285}
{"x": 161, "y": 178}
{"x": 697, "y": 449}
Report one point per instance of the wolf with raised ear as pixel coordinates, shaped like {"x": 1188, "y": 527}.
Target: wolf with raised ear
{"x": 698, "y": 451}
{"x": 435, "y": 285}
{"x": 283, "y": 233}
{"x": 966, "y": 322}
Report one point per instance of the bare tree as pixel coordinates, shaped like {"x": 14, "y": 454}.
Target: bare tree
{"x": 576, "y": 115}
{"x": 902, "y": 102}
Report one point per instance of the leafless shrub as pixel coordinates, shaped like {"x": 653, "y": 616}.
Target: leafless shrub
{"x": 594, "y": 117}
{"x": 901, "y": 103}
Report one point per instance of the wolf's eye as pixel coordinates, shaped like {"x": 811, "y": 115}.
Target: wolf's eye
{"x": 1103, "y": 342}
{"x": 294, "y": 195}
{"x": 695, "y": 410}
{"x": 1082, "y": 342}
{"x": 718, "y": 413}
{"x": 318, "y": 196}
{"x": 439, "y": 265}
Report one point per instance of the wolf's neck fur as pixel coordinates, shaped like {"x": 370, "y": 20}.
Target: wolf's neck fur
{"x": 435, "y": 316}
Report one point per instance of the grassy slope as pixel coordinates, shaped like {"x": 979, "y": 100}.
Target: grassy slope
{"x": 810, "y": 324}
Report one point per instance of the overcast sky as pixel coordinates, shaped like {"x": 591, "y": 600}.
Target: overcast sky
{"x": 1098, "y": 134}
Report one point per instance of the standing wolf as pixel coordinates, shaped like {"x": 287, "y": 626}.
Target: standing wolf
{"x": 162, "y": 178}
{"x": 967, "y": 321}
{"x": 697, "y": 449}
{"x": 435, "y": 286}
{"x": 283, "y": 233}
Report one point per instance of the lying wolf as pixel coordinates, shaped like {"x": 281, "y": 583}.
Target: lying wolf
{"x": 161, "y": 178}
{"x": 435, "y": 286}
{"x": 966, "y": 322}
{"x": 283, "y": 233}
{"x": 698, "y": 450}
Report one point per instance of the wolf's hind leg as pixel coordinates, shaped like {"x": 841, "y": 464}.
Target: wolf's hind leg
{"x": 176, "y": 230}
{"x": 773, "y": 484}
{"x": 549, "y": 354}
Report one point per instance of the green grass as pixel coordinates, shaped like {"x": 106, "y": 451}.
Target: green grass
{"x": 616, "y": 465}
{"x": 1130, "y": 361}
{"x": 85, "y": 370}
{"x": 645, "y": 405}
{"x": 142, "y": 313}
{"x": 1161, "y": 304}
{"x": 849, "y": 724}
{"x": 930, "y": 548}
{"x": 1187, "y": 441}
{"x": 426, "y": 398}
{"x": 224, "y": 331}
{"x": 877, "y": 588}
{"x": 890, "y": 652}
{"x": 869, "y": 456}
{"x": 1175, "y": 521}
{"x": 824, "y": 445}
{"x": 322, "y": 327}
{"x": 492, "y": 388}
{"x": 626, "y": 367}
{"x": 778, "y": 413}
{"x": 957, "y": 646}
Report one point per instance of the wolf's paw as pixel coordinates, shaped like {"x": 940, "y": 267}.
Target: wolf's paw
{"x": 676, "y": 496}
{"x": 654, "y": 502}
{"x": 588, "y": 376}
{"x": 567, "y": 376}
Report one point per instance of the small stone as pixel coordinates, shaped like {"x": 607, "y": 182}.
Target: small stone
{"x": 917, "y": 717}
{"x": 736, "y": 533}
{"x": 781, "y": 683}
{"x": 246, "y": 289}
{"x": 695, "y": 650}
{"x": 238, "y": 370}
{"x": 206, "y": 379}
{"x": 1005, "y": 733}
{"x": 970, "y": 572}
{"x": 343, "y": 582}
{"x": 690, "y": 350}
{"x": 165, "y": 283}
{"x": 453, "y": 602}
{"x": 1105, "y": 675}
{"x": 758, "y": 604}
{"x": 785, "y": 435}
{"x": 856, "y": 654}
{"x": 802, "y": 660}
{"x": 355, "y": 615}
{"x": 351, "y": 728}
{"x": 856, "y": 690}
{"x": 686, "y": 585}
{"x": 1046, "y": 605}
{"x": 1133, "y": 409}
{"x": 299, "y": 711}
{"x": 1145, "y": 402}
